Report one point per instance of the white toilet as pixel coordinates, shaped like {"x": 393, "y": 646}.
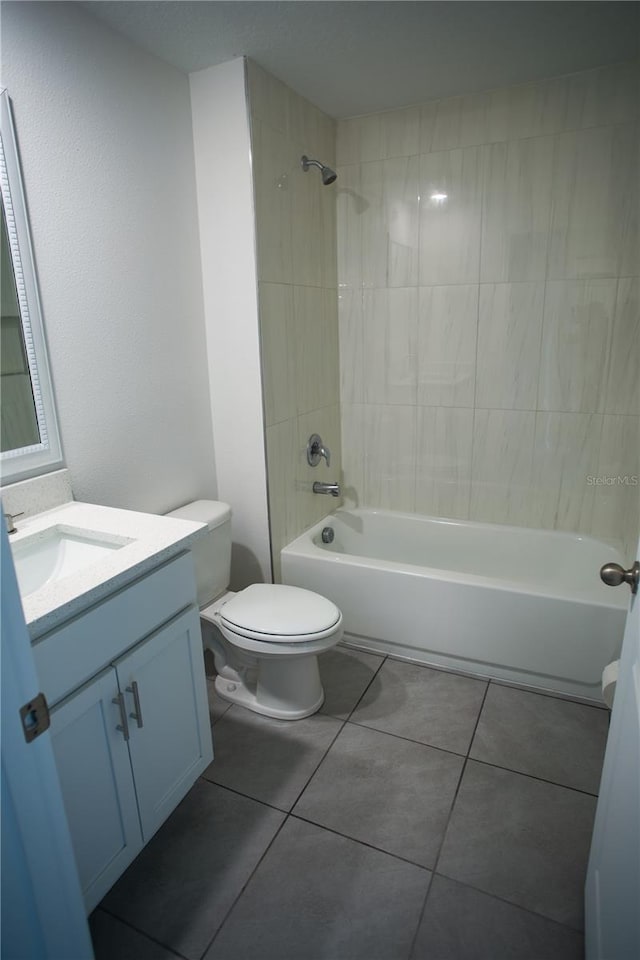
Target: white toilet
{"x": 266, "y": 638}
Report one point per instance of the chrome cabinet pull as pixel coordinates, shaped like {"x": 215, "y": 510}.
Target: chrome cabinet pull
{"x": 137, "y": 716}
{"x": 123, "y": 726}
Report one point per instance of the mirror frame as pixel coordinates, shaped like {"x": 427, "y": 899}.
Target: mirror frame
{"x": 29, "y": 461}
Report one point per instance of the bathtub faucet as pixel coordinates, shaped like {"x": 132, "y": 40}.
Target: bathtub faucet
{"x": 332, "y": 488}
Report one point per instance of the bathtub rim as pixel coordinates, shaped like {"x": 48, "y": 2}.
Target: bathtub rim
{"x": 303, "y": 546}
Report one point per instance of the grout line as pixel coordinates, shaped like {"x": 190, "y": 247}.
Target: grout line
{"x": 245, "y": 796}
{"x": 511, "y": 903}
{"x": 245, "y": 885}
{"x": 362, "y": 843}
{"x": 531, "y": 776}
{"x": 397, "y": 736}
{"x": 132, "y": 926}
{"x": 446, "y": 828}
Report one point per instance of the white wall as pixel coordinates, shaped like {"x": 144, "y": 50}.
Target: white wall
{"x": 104, "y": 131}
{"x": 227, "y": 241}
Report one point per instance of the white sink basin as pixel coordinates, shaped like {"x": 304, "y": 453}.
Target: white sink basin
{"x": 58, "y": 552}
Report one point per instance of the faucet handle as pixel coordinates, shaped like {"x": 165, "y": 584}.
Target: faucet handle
{"x": 316, "y": 451}
{"x": 9, "y": 518}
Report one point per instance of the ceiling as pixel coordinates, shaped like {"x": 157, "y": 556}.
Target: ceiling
{"x": 359, "y": 56}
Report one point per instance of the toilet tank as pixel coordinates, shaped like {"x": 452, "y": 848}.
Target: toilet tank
{"x": 212, "y": 552}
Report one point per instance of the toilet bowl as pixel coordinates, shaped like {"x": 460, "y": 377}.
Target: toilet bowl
{"x": 266, "y": 638}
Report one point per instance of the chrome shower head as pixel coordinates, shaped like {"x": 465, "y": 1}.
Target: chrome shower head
{"x": 328, "y": 175}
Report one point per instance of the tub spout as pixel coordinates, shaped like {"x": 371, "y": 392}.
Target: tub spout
{"x": 332, "y": 488}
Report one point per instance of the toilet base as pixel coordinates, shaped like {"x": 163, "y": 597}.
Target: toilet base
{"x": 287, "y": 690}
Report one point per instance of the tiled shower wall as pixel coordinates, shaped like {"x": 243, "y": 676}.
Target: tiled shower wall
{"x": 489, "y": 339}
{"x": 297, "y": 290}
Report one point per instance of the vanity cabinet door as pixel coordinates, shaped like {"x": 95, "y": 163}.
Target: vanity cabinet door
{"x": 163, "y": 683}
{"x": 97, "y": 785}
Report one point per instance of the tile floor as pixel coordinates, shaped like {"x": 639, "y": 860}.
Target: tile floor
{"x": 421, "y": 815}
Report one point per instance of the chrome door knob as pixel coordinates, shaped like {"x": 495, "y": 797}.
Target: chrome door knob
{"x": 613, "y": 575}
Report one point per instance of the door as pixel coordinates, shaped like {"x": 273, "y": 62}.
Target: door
{"x": 612, "y": 894}
{"x": 97, "y": 784}
{"x": 42, "y": 909}
{"x": 164, "y": 686}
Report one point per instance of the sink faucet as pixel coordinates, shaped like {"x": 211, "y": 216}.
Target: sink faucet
{"x": 8, "y": 519}
{"x": 332, "y": 488}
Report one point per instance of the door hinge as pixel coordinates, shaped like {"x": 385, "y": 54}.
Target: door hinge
{"x": 35, "y": 717}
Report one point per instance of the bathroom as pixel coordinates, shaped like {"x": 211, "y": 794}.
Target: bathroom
{"x": 193, "y": 351}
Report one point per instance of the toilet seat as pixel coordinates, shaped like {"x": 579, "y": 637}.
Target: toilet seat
{"x": 273, "y": 614}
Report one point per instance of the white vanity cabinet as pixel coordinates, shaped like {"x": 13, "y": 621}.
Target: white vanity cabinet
{"x": 132, "y": 739}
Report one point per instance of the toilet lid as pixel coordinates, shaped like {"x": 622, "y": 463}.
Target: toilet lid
{"x": 279, "y": 613}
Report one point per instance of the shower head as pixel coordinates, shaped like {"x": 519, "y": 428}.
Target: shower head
{"x": 328, "y": 175}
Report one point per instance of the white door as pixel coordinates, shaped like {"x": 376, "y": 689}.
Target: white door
{"x": 42, "y": 910}
{"x": 612, "y": 894}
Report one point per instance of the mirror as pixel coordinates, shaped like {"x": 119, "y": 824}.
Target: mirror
{"x": 29, "y": 437}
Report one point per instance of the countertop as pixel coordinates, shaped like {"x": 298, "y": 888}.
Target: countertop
{"x": 155, "y": 539}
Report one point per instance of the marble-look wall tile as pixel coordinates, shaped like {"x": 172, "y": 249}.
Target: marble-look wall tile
{"x": 389, "y": 219}
{"x": 537, "y": 109}
{"x": 428, "y": 115}
{"x": 389, "y": 445}
{"x": 375, "y": 238}
{"x": 565, "y": 454}
{"x": 268, "y": 98}
{"x": 314, "y": 506}
{"x": 350, "y": 206}
{"x": 313, "y": 229}
{"x": 350, "y": 344}
{"x": 274, "y": 173}
{"x": 282, "y": 447}
{"x": 443, "y": 461}
{"x": 578, "y": 315}
{"x": 617, "y": 483}
{"x": 603, "y": 96}
{"x": 359, "y": 140}
{"x": 400, "y": 132}
{"x": 516, "y": 203}
{"x": 401, "y": 209}
{"x": 623, "y": 381}
{"x": 593, "y": 179}
{"x": 460, "y": 122}
{"x": 278, "y": 357}
{"x": 389, "y": 345}
{"x": 447, "y": 334}
{"x": 315, "y": 336}
{"x": 509, "y": 338}
{"x": 352, "y": 425}
{"x": 501, "y": 466}
{"x": 450, "y": 227}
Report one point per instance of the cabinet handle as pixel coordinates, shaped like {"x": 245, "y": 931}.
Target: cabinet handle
{"x": 123, "y": 726}
{"x": 137, "y": 716}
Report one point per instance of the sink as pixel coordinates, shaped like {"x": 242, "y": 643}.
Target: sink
{"x": 59, "y": 551}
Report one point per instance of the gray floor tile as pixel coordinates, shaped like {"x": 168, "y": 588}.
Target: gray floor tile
{"x": 182, "y": 885}
{"x": 318, "y": 896}
{"x": 217, "y": 706}
{"x": 431, "y": 706}
{"x": 463, "y": 924}
{"x": 545, "y": 737}
{"x": 270, "y": 760}
{"x": 346, "y": 674}
{"x": 391, "y": 793}
{"x": 114, "y": 940}
{"x": 521, "y": 839}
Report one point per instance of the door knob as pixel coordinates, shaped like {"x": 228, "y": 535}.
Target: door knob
{"x": 613, "y": 575}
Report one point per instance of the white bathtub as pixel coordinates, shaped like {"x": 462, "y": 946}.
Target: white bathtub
{"x": 506, "y": 602}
